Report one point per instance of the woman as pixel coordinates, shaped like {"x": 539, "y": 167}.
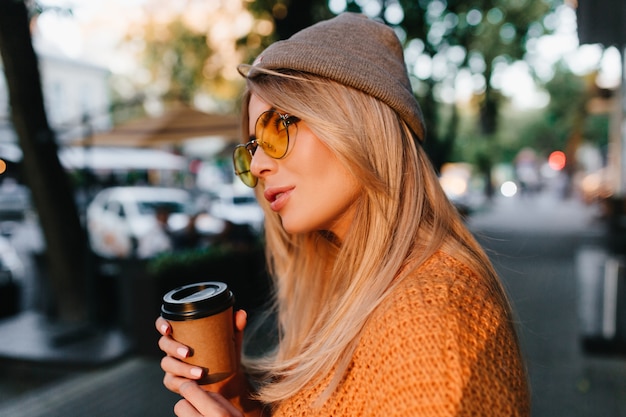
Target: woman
{"x": 386, "y": 304}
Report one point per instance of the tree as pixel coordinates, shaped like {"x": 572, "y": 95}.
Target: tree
{"x": 192, "y": 56}
{"x": 473, "y": 36}
{"x": 178, "y": 58}
{"x": 476, "y": 36}
{"x": 50, "y": 187}
{"x": 291, "y": 16}
{"x": 569, "y": 120}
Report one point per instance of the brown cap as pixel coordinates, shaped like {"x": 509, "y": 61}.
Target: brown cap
{"x": 352, "y": 50}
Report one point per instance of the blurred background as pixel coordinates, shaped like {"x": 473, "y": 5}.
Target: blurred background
{"x": 117, "y": 124}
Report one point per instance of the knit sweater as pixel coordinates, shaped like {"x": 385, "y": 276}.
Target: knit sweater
{"x": 439, "y": 345}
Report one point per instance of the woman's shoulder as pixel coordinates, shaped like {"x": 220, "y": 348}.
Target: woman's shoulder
{"x": 439, "y": 331}
{"x": 442, "y": 267}
{"x": 442, "y": 295}
{"x": 439, "y": 281}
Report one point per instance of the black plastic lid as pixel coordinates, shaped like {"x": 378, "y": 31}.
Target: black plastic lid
{"x": 195, "y": 301}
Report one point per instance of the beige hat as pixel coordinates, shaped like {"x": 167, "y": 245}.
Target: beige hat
{"x": 354, "y": 51}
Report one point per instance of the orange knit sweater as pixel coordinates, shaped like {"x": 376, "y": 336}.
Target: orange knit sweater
{"x": 440, "y": 345}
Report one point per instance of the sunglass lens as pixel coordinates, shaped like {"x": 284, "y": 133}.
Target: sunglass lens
{"x": 242, "y": 160}
{"x": 272, "y": 134}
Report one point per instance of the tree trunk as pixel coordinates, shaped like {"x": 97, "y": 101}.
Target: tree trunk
{"x": 489, "y": 106}
{"x": 437, "y": 146}
{"x": 51, "y": 191}
{"x": 299, "y": 14}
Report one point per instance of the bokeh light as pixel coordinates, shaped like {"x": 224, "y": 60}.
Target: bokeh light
{"x": 557, "y": 160}
{"x": 508, "y": 188}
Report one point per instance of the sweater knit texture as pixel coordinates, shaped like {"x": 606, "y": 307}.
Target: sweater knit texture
{"x": 439, "y": 345}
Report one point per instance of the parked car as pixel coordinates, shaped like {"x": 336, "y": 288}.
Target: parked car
{"x": 15, "y": 201}
{"x": 122, "y": 221}
{"x": 238, "y": 207}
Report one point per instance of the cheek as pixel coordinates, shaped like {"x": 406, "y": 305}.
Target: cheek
{"x": 325, "y": 203}
{"x": 325, "y": 191}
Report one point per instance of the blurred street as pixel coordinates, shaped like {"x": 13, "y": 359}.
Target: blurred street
{"x": 545, "y": 250}
{"x": 543, "y": 247}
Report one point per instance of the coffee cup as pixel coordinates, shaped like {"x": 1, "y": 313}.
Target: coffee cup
{"x": 201, "y": 317}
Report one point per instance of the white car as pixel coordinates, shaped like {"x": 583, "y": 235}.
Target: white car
{"x": 122, "y": 221}
{"x": 238, "y": 207}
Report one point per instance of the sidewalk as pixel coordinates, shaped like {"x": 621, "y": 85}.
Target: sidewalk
{"x": 28, "y": 336}
{"x": 132, "y": 388}
{"x": 544, "y": 212}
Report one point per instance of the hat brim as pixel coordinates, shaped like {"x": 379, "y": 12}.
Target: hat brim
{"x": 244, "y": 70}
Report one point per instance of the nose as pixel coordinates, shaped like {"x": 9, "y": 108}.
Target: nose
{"x": 262, "y": 165}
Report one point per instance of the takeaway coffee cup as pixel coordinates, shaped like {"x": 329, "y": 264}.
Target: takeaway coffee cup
{"x": 201, "y": 317}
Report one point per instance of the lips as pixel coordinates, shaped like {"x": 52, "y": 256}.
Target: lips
{"x": 277, "y": 196}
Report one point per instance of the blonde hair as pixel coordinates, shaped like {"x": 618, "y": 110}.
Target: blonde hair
{"x": 325, "y": 291}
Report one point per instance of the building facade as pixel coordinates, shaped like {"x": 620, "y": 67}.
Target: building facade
{"x": 76, "y": 98}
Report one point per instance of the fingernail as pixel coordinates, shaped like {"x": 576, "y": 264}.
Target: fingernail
{"x": 197, "y": 372}
{"x": 164, "y": 328}
{"x": 182, "y": 352}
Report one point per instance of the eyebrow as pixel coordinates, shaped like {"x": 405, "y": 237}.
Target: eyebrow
{"x": 266, "y": 117}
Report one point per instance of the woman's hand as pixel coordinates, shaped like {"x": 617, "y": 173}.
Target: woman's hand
{"x": 200, "y": 403}
{"x": 177, "y": 372}
{"x": 219, "y": 399}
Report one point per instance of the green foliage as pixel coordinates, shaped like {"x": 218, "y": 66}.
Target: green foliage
{"x": 569, "y": 94}
{"x": 596, "y": 129}
{"x": 567, "y": 114}
{"x": 182, "y": 65}
{"x": 555, "y": 127}
{"x": 493, "y": 28}
{"x": 243, "y": 268}
{"x": 172, "y": 261}
{"x": 178, "y": 54}
{"x": 484, "y": 32}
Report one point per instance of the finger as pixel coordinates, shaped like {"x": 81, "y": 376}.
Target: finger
{"x": 173, "y": 348}
{"x": 173, "y": 382}
{"x": 207, "y": 403}
{"x": 163, "y": 326}
{"x": 184, "y": 409}
{"x": 178, "y": 368}
{"x": 241, "y": 319}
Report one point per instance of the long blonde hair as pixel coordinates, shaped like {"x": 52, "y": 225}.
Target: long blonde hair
{"x": 325, "y": 291}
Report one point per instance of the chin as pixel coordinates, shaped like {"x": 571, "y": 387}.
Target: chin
{"x": 294, "y": 228}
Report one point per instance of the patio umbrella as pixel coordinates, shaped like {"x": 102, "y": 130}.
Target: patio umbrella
{"x": 176, "y": 124}
{"x": 120, "y": 158}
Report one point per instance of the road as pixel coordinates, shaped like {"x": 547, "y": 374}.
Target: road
{"x": 543, "y": 248}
